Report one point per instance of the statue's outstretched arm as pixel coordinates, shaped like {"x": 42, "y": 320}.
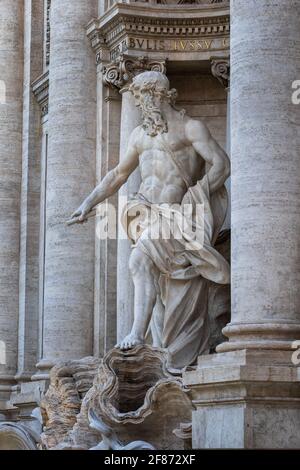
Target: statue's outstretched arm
{"x": 110, "y": 184}
{"x": 206, "y": 146}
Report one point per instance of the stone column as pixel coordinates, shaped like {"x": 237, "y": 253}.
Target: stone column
{"x": 130, "y": 118}
{"x": 69, "y": 251}
{"x": 30, "y": 193}
{"x": 265, "y": 143}
{"x": 11, "y": 83}
{"x": 251, "y": 389}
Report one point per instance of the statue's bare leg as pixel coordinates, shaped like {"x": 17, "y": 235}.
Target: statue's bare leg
{"x": 145, "y": 275}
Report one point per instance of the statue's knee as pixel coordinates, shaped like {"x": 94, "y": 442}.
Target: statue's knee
{"x": 139, "y": 262}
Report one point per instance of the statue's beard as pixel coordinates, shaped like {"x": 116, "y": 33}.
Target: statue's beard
{"x": 154, "y": 121}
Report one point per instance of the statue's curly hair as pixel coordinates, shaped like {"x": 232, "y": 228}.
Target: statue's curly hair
{"x": 154, "y": 87}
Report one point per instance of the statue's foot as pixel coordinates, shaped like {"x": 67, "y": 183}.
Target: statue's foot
{"x": 129, "y": 342}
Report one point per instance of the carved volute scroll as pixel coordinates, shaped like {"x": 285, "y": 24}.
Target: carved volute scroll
{"x": 220, "y": 68}
{"x": 121, "y": 71}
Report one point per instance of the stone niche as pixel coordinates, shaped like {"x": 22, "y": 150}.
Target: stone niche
{"x": 190, "y": 43}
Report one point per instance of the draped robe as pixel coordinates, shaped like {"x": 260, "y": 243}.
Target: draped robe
{"x": 184, "y": 273}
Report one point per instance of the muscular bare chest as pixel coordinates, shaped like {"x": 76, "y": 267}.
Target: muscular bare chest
{"x": 157, "y": 155}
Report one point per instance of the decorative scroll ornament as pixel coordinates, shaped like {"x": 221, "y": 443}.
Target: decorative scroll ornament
{"x": 220, "y": 68}
{"x": 122, "y": 70}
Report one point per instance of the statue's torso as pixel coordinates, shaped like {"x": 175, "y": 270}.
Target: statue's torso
{"x": 162, "y": 180}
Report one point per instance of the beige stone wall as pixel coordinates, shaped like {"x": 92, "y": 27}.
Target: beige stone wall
{"x": 203, "y": 97}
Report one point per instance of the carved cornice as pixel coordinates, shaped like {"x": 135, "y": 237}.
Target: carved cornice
{"x": 121, "y": 71}
{"x": 175, "y": 2}
{"x": 220, "y": 69}
{"x": 166, "y": 27}
{"x": 161, "y": 30}
{"x": 40, "y": 88}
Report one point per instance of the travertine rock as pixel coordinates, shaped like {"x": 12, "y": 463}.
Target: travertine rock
{"x": 69, "y": 382}
{"x": 133, "y": 399}
{"x": 136, "y": 396}
{"x": 109, "y": 438}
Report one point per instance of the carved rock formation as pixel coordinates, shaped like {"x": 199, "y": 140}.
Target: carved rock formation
{"x": 137, "y": 397}
{"x": 134, "y": 403}
{"x": 110, "y": 440}
{"x": 69, "y": 382}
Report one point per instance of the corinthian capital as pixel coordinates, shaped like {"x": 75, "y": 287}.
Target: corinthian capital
{"x": 122, "y": 70}
{"x": 220, "y": 68}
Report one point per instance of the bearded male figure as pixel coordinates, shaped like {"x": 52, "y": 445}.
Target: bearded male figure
{"x": 180, "y": 163}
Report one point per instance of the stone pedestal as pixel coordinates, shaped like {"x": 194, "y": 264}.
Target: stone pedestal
{"x": 245, "y": 400}
{"x": 248, "y": 396}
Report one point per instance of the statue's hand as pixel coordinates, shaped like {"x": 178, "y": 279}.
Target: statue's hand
{"x": 80, "y": 215}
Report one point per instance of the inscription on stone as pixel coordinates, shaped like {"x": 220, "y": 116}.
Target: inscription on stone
{"x": 169, "y": 45}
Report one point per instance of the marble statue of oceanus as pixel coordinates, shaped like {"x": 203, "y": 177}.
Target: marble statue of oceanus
{"x": 180, "y": 163}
